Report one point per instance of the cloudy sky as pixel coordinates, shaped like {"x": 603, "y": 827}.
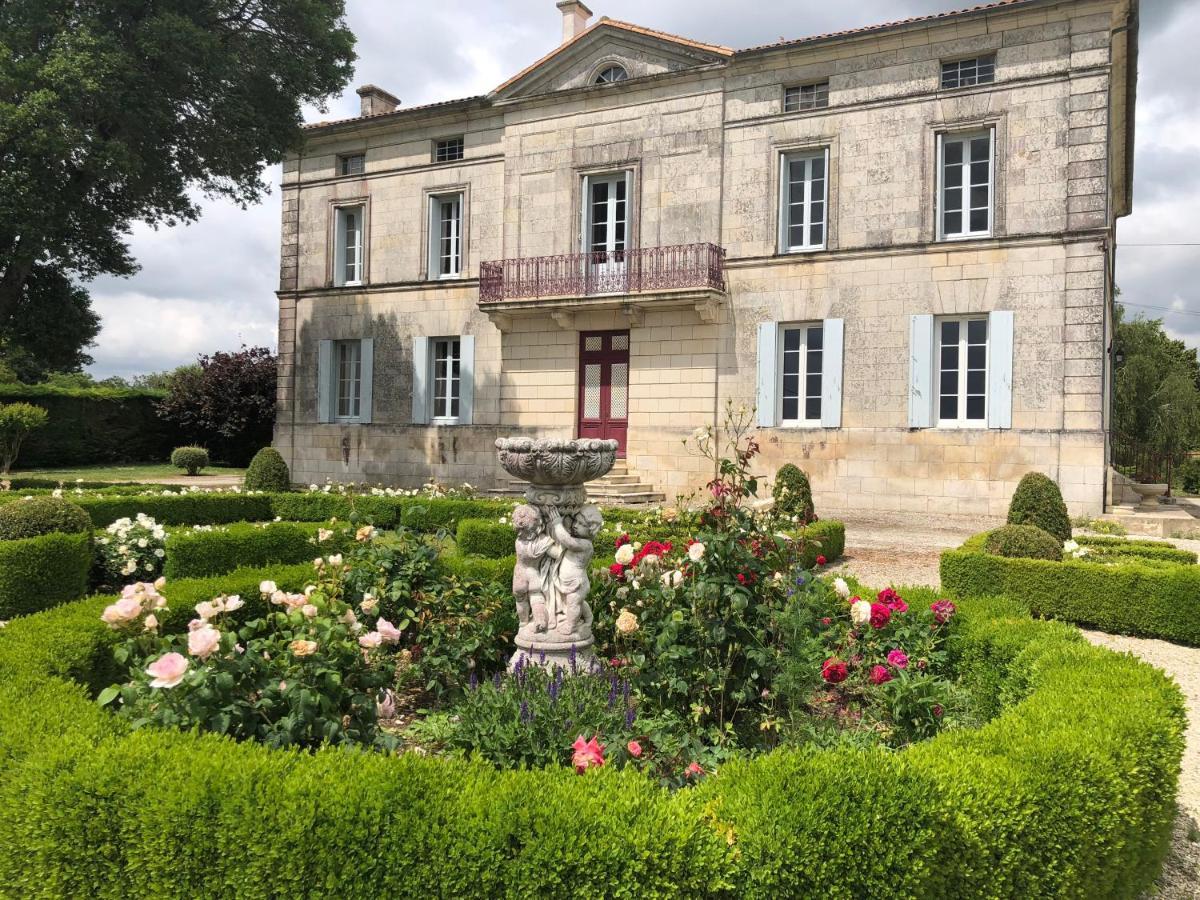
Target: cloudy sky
{"x": 209, "y": 286}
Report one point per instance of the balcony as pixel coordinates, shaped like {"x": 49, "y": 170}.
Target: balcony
{"x": 628, "y": 280}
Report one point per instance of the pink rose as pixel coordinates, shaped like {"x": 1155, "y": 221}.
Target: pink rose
{"x": 587, "y": 754}
{"x": 942, "y": 611}
{"x": 389, "y": 632}
{"x": 634, "y": 748}
{"x": 167, "y": 670}
{"x": 203, "y": 641}
{"x": 694, "y": 770}
{"x": 309, "y": 611}
{"x": 880, "y": 675}
{"x": 370, "y": 640}
{"x": 124, "y": 611}
{"x": 897, "y": 658}
{"x": 880, "y": 615}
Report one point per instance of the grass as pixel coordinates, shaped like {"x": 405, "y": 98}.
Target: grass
{"x": 128, "y": 472}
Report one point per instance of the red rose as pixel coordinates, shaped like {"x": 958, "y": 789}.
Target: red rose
{"x": 820, "y": 560}
{"x": 937, "y": 710}
{"x": 880, "y": 615}
{"x": 621, "y": 541}
{"x": 942, "y": 611}
{"x": 826, "y": 620}
{"x": 616, "y": 570}
{"x": 880, "y": 675}
{"x": 741, "y": 578}
{"x": 892, "y": 600}
{"x": 834, "y": 671}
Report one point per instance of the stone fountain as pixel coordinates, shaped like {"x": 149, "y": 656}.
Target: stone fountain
{"x": 555, "y": 530}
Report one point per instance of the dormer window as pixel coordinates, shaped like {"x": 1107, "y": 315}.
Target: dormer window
{"x": 611, "y": 75}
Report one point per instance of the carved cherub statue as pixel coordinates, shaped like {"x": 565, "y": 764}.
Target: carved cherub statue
{"x": 529, "y": 573}
{"x": 575, "y": 552}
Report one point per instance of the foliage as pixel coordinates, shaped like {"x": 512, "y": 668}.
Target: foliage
{"x": 33, "y": 516}
{"x": 793, "y": 493}
{"x": 1038, "y": 501}
{"x": 178, "y": 506}
{"x": 50, "y": 328}
{"x": 229, "y": 403}
{"x": 191, "y": 459}
{"x": 132, "y": 548}
{"x": 1100, "y": 526}
{"x": 268, "y": 472}
{"x": 1152, "y": 386}
{"x": 1103, "y": 548}
{"x": 1189, "y": 475}
{"x": 493, "y": 539}
{"x": 37, "y": 573}
{"x": 17, "y": 421}
{"x": 1026, "y": 541}
{"x": 206, "y": 550}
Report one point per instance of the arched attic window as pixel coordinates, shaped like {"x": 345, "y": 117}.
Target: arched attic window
{"x": 610, "y": 75}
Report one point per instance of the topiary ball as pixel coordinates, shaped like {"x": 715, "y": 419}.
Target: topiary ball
{"x": 1024, "y": 542}
{"x": 193, "y": 459}
{"x": 268, "y": 472}
{"x": 1038, "y": 501}
{"x": 793, "y": 493}
{"x": 42, "y": 515}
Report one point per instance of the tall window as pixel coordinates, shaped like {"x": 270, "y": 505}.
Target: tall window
{"x": 966, "y": 184}
{"x": 349, "y": 379}
{"x": 348, "y": 237}
{"x": 445, "y": 236}
{"x": 803, "y": 201}
{"x": 969, "y": 72}
{"x": 351, "y": 164}
{"x": 962, "y": 372}
{"x": 447, "y": 360}
{"x": 801, "y": 349}
{"x": 448, "y": 150}
{"x": 806, "y": 96}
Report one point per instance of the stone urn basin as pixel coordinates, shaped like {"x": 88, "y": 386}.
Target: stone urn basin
{"x": 556, "y": 470}
{"x": 1149, "y": 494}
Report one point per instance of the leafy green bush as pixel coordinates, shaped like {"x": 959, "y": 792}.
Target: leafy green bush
{"x": 200, "y": 553}
{"x": 1189, "y": 475}
{"x": 430, "y": 515}
{"x": 1104, "y": 548}
{"x": 1038, "y": 501}
{"x": 1024, "y": 541}
{"x": 793, "y": 493}
{"x": 131, "y": 550}
{"x": 17, "y": 422}
{"x": 37, "y": 573}
{"x": 191, "y": 459}
{"x": 480, "y": 537}
{"x": 268, "y": 472}
{"x": 41, "y": 515}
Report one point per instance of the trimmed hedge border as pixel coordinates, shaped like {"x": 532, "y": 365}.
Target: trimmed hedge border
{"x": 199, "y": 554}
{"x": 477, "y": 537}
{"x": 1068, "y": 791}
{"x": 1140, "y": 597}
{"x": 44, "y": 571}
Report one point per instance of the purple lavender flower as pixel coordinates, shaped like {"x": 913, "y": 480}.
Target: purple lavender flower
{"x": 526, "y": 714}
{"x": 625, "y": 691}
{"x": 573, "y": 661}
{"x": 496, "y": 681}
{"x": 612, "y": 690}
{"x": 630, "y": 714}
{"x": 554, "y": 687}
{"x": 473, "y": 681}
{"x": 542, "y": 658}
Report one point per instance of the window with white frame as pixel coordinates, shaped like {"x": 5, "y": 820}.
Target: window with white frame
{"x": 801, "y": 350}
{"x": 969, "y": 72}
{"x": 803, "y": 184}
{"x": 962, "y": 371}
{"x": 448, "y": 149}
{"x": 351, "y": 164}
{"x": 445, "y": 235}
{"x": 348, "y": 362}
{"x": 447, "y": 385}
{"x": 348, "y": 245}
{"x": 966, "y": 184}
{"x": 806, "y": 96}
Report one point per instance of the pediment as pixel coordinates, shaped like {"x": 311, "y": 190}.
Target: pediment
{"x": 640, "y": 52}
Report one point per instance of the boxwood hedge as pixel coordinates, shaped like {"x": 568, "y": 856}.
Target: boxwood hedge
{"x": 43, "y": 571}
{"x": 1068, "y": 791}
{"x": 196, "y": 554}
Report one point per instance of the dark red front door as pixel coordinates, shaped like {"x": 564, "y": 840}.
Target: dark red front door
{"x": 604, "y": 385}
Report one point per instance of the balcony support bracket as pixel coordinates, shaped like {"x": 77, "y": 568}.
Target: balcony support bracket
{"x": 709, "y": 310}
{"x": 634, "y": 315}
{"x": 564, "y": 318}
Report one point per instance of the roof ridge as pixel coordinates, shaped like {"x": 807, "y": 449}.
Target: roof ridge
{"x": 655, "y": 32}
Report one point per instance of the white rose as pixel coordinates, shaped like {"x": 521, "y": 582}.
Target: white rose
{"x": 625, "y": 554}
{"x": 841, "y": 588}
{"x": 267, "y": 587}
{"x": 696, "y": 552}
{"x": 1070, "y": 546}
{"x": 860, "y": 612}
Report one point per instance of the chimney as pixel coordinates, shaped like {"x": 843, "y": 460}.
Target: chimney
{"x": 376, "y": 100}
{"x": 575, "y": 18}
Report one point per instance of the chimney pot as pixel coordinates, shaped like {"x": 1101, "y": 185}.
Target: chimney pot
{"x": 574, "y": 18}
{"x": 375, "y": 100}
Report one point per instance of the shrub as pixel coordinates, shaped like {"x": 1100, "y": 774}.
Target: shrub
{"x": 184, "y": 508}
{"x": 39, "y": 572}
{"x": 131, "y": 550}
{"x": 192, "y": 459}
{"x": 1189, "y": 475}
{"x": 430, "y": 515}
{"x": 478, "y": 537}
{"x": 201, "y": 553}
{"x": 1101, "y": 548}
{"x": 17, "y": 422}
{"x": 1038, "y": 501}
{"x": 793, "y": 493}
{"x": 35, "y": 516}
{"x": 1024, "y": 541}
{"x": 268, "y": 472}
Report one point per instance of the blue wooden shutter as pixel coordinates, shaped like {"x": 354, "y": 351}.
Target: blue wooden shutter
{"x": 767, "y": 378}
{"x": 420, "y": 388}
{"x": 366, "y": 388}
{"x": 831, "y": 373}
{"x": 920, "y": 374}
{"x": 326, "y": 381}
{"x": 466, "y": 379}
{"x": 1000, "y": 369}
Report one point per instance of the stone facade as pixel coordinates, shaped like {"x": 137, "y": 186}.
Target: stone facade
{"x": 700, "y": 130}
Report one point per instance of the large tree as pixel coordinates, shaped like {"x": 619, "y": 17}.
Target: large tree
{"x": 116, "y": 111}
{"x": 51, "y": 328}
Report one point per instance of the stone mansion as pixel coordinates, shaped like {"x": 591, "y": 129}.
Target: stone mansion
{"x": 895, "y": 243}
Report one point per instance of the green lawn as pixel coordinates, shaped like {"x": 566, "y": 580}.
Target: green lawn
{"x": 126, "y": 472}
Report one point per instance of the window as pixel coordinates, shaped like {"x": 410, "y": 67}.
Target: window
{"x": 801, "y": 348}
{"x": 349, "y": 379}
{"x": 611, "y": 75}
{"x": 806, "y": 96}
{"x": 965, "y": 184}
{"x": 448, "y": 150}
{"x": 962, "y": 370}
{"x": 803, "y": 194}
{"x": 445, "y": 236}
{"x": 351, "y": 165}
{"x": 348, "y": 245}
{"x": 969, "y": 72}
{"x": 447, "y": 361}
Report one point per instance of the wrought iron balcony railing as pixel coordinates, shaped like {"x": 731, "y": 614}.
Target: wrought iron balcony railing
{"x": 592, "y": 274}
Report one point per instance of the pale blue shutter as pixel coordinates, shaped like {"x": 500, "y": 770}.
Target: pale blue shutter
{"x": 420, "y": 389}
{"x": 366, "y": 390}
{"x": 466, "y": 379}
{"x": 831, "y": 373}
{"x": 920, "y": 374}
{"x": 767, "y": 379}
{"x": 1000, "y": 368}
{"x": 326, "y": 380}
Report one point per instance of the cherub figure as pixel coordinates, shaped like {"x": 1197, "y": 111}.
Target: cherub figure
{"x": 574, "y": 554}
{"x": 529, "y": 573}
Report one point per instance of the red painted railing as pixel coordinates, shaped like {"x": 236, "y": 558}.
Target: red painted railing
{"x": 589, "y": 274}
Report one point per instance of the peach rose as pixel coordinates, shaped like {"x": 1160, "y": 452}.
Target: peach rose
{"x": 389, "y": 632}
{"x": 168, "y": 670}
{"x": 303, "y": 648}
{"x": 370, "y": 640}
{"x": 203, "y": 641}
{"x": 123, "y": 612}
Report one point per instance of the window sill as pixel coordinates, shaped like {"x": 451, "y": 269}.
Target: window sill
{"x": 792, "y": 251}
{"x": 346, "y": 284}
{"x": 972, "y": 236}
{"x": 440, "y": 423}
{"x": 963, "y": 426}
{"x": 348, "y": 421}
{"x": 804, "y": 426}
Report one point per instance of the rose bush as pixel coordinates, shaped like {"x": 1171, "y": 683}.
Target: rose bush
{"x": 131, "y": 548}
